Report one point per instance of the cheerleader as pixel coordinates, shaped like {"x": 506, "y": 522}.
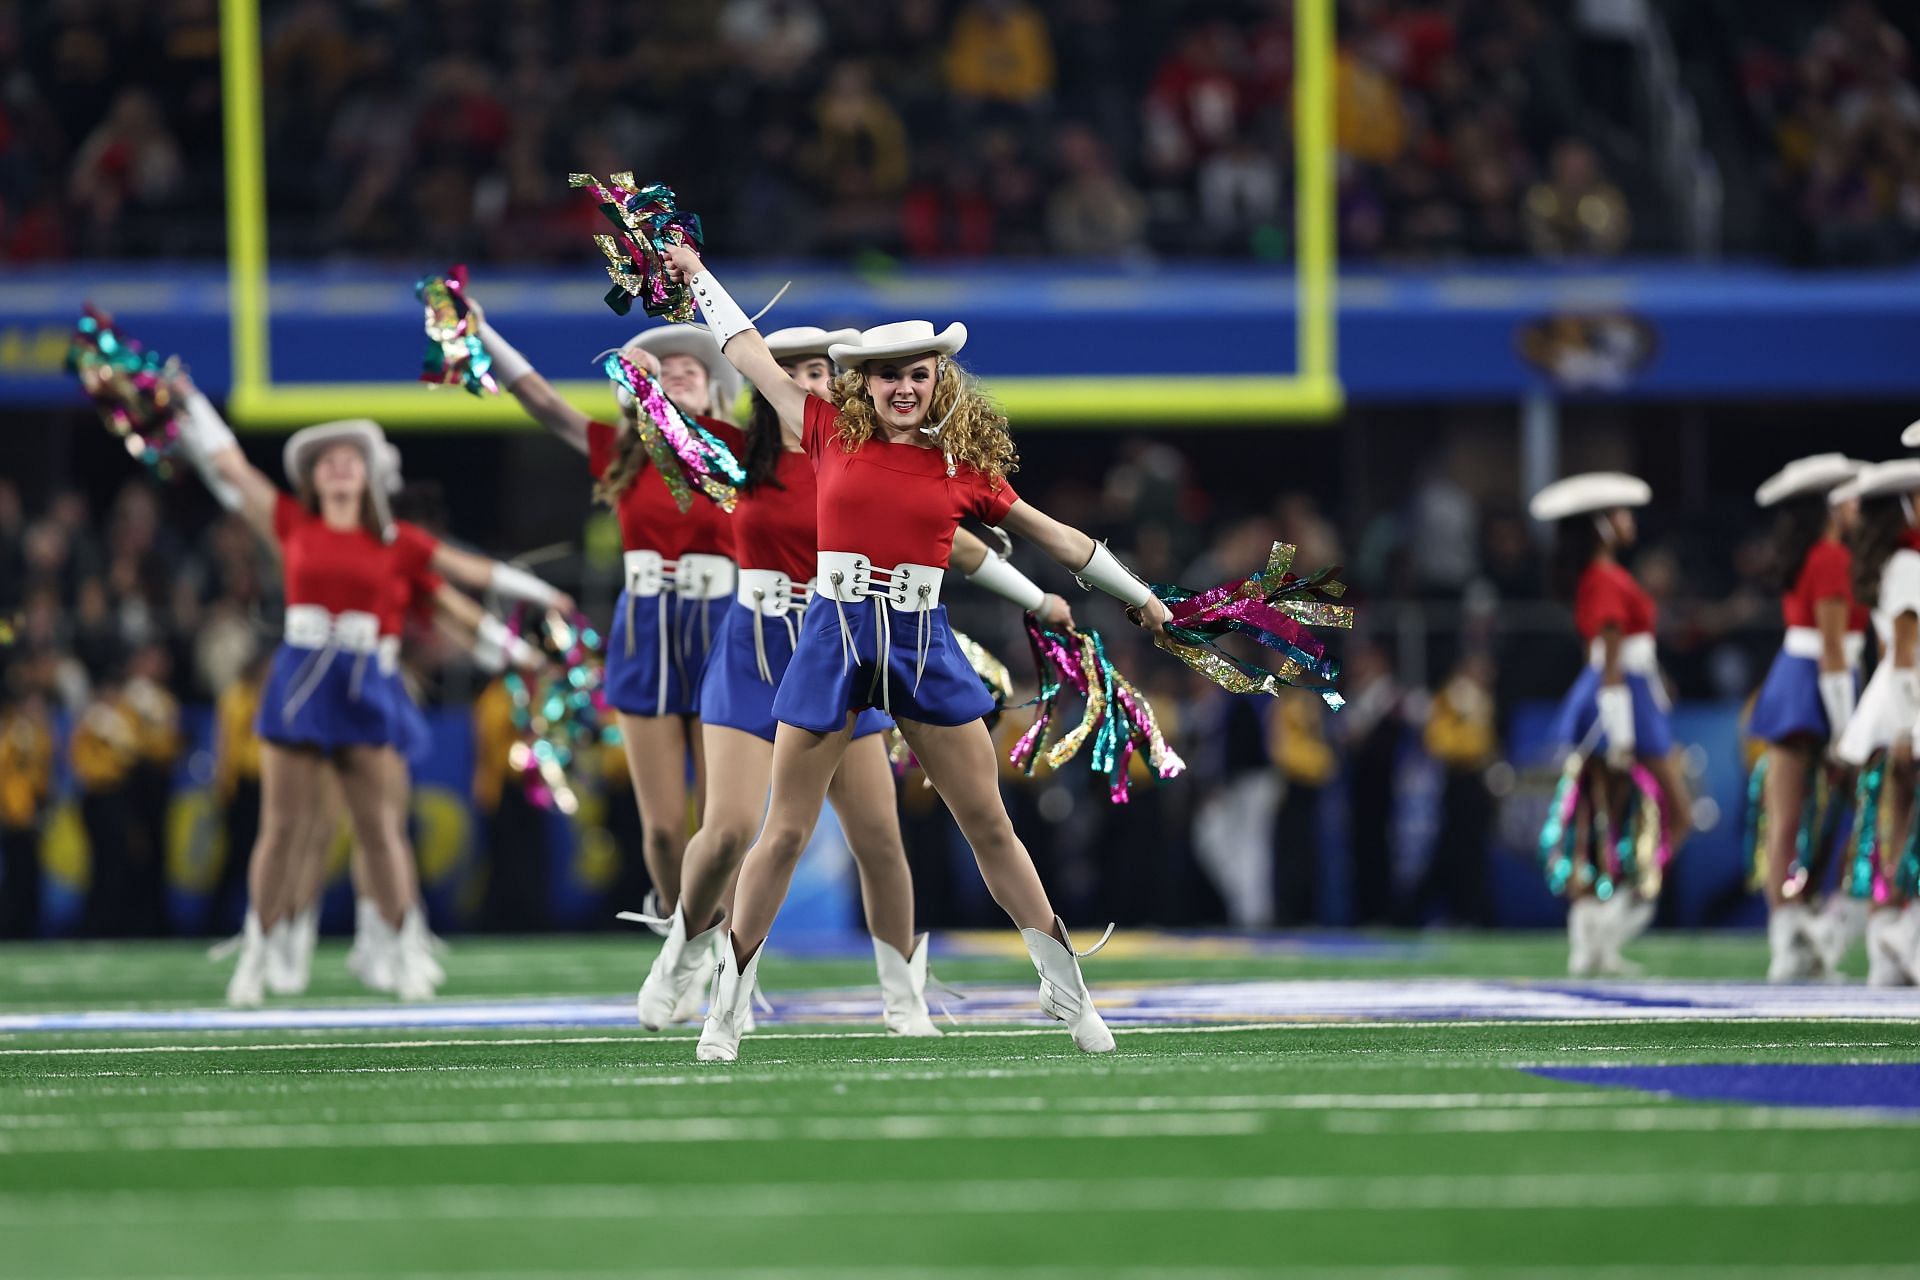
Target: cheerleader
{"x": 1808, "y": 696}
{"x": 329, "y": 706}
{"x": 1880, "y": 734}
{"x": 1616, "y": 712}
{"x": 906, "y": 449}
{"x": 679, "y": 575}
{"x": 774, "y": 527}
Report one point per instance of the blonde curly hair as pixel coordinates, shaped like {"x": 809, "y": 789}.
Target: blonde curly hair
{"x": 971, "y": 429}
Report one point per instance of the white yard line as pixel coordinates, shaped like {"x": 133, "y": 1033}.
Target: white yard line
{"x": 1496, "y": 1193}
{"x": 1631, "y": 1119}
{"x": 1683, "y": 1271}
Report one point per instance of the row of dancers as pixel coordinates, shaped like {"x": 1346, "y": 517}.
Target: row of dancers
{"x": 762, "y": 653}
{"x": 1834, "y": 841}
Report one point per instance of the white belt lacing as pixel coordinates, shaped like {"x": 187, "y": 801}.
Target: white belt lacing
{"x": 694, "y": 576}
{"x": 1806, "y": 642}
{"x": 848, "y": 577}
{"x": 768, "y": 593}
{"x": 323, "y": 634}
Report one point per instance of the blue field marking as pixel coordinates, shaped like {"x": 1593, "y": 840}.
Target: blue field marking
{"x": 1882, "y": 1086}
{"x": 1135, "y": 1004}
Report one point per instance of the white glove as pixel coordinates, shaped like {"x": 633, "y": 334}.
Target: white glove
{"x": 1838, "y": 696}
{"x": 1903, "y": 704}
{"x": 1616, "y": 723}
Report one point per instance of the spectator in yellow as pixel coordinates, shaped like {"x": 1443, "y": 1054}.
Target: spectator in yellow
{"x": 1370, "y": 122}
{"x": 857, "y": 157}
{"x": 156, "y": 723}
{"x": 1576, "y": 212}
{"x": 1462, "y": 738}
{"x": 1000, "y": 51}
{"x": 105, "y": 748}
{"x": 1297, "y": 738}
{"x": 26, "y": 784}
{"x": 236, "y": 787}
{"x": 516, "y": 897}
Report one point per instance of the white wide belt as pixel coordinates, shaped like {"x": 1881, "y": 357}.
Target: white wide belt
{"x": 770, "y": 593}
{"x": 1638, "y": 654}
{"x": 1806, "y": 642}
{"x": 308, "y": 626}
{"x": 697, "y": 576}
{"x": 646, "y": 573}
{"x": 389, "y": 655}
{"x": 850, "y": 576}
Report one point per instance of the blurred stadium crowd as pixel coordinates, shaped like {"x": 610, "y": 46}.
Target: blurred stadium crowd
{"x": 940, "y": 128}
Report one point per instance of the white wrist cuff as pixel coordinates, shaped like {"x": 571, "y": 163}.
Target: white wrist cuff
{"x": 1837, "y": 697}
{"x": 509, "y": 366}
{"x": 203, "y": 429}
{"x": 511, "y": 583}
{"x": 490, "y": 645}
{"x": 1104, "y": 570}
{"x": 723, "y": 315}
{"x": 1616, "y": 719}
{"x": 1000, "y": 577}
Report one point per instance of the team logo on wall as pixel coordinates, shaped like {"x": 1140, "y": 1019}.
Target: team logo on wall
{"x": 1589, "y": 351}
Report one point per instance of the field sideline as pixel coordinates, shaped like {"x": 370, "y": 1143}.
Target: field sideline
{"x": 1354, "y": 1107}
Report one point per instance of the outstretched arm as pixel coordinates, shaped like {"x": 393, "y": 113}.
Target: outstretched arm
{"x": 509, "y": 582}
{"x": 535, "y": 394}
{"x": 240, "y": 486}
{"x": 744, "y": 346}
{"x": 1090, "y": 561}
{"x": 987, "y": 569}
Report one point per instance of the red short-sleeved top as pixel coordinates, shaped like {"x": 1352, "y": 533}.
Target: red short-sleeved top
{"x": 414, "y": 582}
{"x": 778, "y": 528}
{"x": 894, "y": 503}
{"x": 649, "y": 520}
{"x": 1609, "y": 597}
{"x": 339, "y": 570}
{"x": 1826, "y": 574}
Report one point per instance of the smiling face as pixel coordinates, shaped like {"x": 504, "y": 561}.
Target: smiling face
{"x": 812, "y": 374}
{"x": 685, "y": 380}
{"x": 340, "y": 473}
{"x": 902, "y": 390}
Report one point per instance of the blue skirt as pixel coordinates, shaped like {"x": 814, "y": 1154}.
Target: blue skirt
{"x": 411, "y": 735}
{"x": 1789, "y": 705}
{"x": 656, "y": 678}
{"x": 328, "y": 701}
{"x": 734, "y": 696}
{"x": 1652, "y": 734}
{"x": 823, "y": 684}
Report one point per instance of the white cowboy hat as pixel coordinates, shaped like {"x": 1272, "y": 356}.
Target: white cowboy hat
{"x": 691, "y": 340}
{"x": 364, "y": 434}
{"x": 804, "y": 341}
{"x": 395, "y": 481}
{"x": 1590, "y": 492}
{"x": 1816, "y": 474}
{"x": 1881, "y": 479}
{"x": 901, "y": 338}
{"x": 1911, "y": 436}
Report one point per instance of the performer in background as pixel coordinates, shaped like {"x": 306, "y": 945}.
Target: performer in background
{"x": 1804, "y": 704}
{"x": 1614, "y": 717}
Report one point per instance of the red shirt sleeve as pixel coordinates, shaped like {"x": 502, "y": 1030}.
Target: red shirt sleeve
{"x": 1828, "y": 574}
{"x": 600, "y": 442}
{"x": 993, "y": 502}
{"x": 817, "y": 427}
{"x": 421, "y": 598}
{"x": 415, "y": 548}
{"x": 288, "y": 515}
{"x": 1599, "y": 603}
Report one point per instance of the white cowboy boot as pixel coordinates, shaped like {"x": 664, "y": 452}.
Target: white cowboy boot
{"x": 419, "y": 939}
{"x": 652, "y": 913}
{"x": 1890, "y": 947}
{"x": 1837, "y": 926}
{"x": 1624, "y": 917}
{"x": 1585, "y": 921}
{"x": 674, "y": 980}
{"x": 374, "y": 958}
{"x": 1793, "y": 957}
{"x": 306, "y": 930}
{"x": 1063, "y": 992}
{"x": 732, "y": 1005}
{"x": 903, "y": 988}
{"x": 283, "y": 958}
{"x": 248, "y": 986}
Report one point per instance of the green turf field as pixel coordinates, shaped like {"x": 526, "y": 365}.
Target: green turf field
{"x": 1372, "y": 1145}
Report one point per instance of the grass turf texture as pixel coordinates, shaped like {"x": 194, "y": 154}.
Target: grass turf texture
{"x": 1348, "y": 1149}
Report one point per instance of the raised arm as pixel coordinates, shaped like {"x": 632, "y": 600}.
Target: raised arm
{"x": 535, "y": 394}
{"x": 989, "y": 570}
{"x": 461, "y": 619}
{"x": 744, "y": 347}
{"x": 1089, "y": 561}
{"x": 478, "y": 573}
{"x": 209, "y": 445}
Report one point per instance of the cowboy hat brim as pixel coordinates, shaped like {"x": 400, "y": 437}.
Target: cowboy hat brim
{"x": 945, "y": 343}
